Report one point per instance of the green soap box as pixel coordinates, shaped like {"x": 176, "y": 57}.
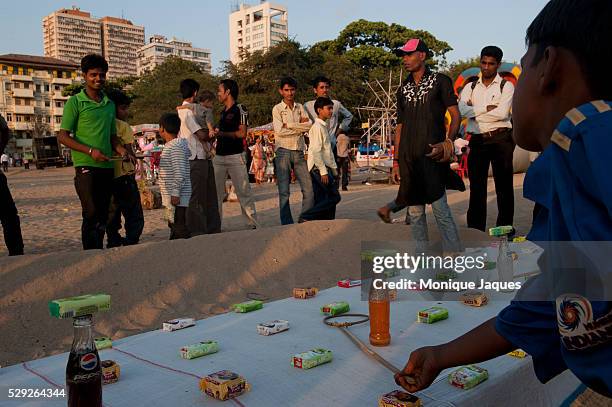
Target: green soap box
{"x": 248, "y": 306}
{"x": 80, "y": 305}
{"x": 431, "y": 315}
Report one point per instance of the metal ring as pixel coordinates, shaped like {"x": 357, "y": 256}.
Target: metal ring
{"x": 326, "y": 320}
{"x": 257, "y": 297}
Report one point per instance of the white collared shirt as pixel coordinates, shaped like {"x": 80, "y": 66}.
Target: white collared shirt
{"x": 290, "y": 137}
{"x": 189, "y": 126}
{"x": 334, "y": 122}
{"x": 320, "y": 153}
{"x": 479, "y": 120}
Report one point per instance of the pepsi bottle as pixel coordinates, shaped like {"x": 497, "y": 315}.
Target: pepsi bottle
{"x": 83, "y": 372}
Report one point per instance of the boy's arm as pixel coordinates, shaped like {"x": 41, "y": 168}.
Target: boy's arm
{"x": 425, "y": 364}
{"x": 280, "y": 130}
{"x": 346, "y": 121}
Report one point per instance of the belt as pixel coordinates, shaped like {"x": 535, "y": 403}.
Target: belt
{"x": 492, "y": 133}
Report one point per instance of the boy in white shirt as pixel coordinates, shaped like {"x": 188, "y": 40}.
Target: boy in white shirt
{"x": 322, "y": 165}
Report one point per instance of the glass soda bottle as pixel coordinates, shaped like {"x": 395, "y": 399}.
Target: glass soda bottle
{"x": 379, "y": 317}
{"x": 83, "y": 372}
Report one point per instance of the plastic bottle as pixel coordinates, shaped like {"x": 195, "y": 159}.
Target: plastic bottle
{"x": 83, "y": 371}
{"x": 505, "y": 267}
{"x": 379, "y": 317}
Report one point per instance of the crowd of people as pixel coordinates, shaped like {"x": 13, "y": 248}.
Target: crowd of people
{"x": 561, "y": 107}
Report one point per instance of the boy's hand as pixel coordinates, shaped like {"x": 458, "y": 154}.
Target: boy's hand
{"x": 304, "y": 119}
{"x": 97, "y": 155}
{"x": 175, "y": 200}
{"x": 491, "y": 107}
{"x": 325, "y": 179}
{"x": 420, "y": 371}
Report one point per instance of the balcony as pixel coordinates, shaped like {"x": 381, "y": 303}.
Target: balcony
{"x": 22, "y": 126}
{"x": 58, "y": 111}
{"x": 21, "y": 78}
{"x": 23, "y": 93}
{"x": 57, "y": 94}
{"x": 18, "y": 109}
{"x": 61, "y": 81}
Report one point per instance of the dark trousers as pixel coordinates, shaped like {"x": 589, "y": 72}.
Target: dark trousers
{"x": 203, "y": 212}
{"x": 10, "y": 220}
{"x": 178, "y": 229}
{"x": 343, "y": 169}
{"x": 5, "y": 166}
{"x": 326, "y": 198}
{"x": 126, "y": 202}
{"x": 497, "y": 151}
{"x": 95, "y": 188}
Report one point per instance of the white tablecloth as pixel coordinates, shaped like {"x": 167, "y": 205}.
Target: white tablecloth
{"x": 351, "y": 379}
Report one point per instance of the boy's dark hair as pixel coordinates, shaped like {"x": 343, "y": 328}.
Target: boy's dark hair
{"x": 583, "y": 28}
{"x": 206, "y": 95}
{"x": 319, "y": 79}
{"x": 493, "y": 52}
{"x": 321, "y": 102}
{"x": 92, "y": 61}
{"x": 232, "y": 86}
{"x": 189, "y": 87}
{"x": 119, "y": 98}
{"x": 288, "y": 80}
{"x": 170, "y": 122}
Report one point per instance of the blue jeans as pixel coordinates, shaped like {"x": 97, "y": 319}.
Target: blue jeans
{"x": 283, "y": 160}
{"x": 444, "y": 220}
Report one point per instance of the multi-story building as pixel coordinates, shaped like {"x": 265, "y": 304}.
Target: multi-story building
{"x": 257, "y": 27}
{"x": 31, "y": 98}
{"x": 120, "y": 42}
{"x": 70, "y": 34}
{"x": 159, "y": 48}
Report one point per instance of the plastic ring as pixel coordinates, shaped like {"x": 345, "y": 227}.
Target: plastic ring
{"x": 326, "y": 320}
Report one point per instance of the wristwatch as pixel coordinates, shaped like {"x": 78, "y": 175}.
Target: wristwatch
{"x": 90, "y": 151}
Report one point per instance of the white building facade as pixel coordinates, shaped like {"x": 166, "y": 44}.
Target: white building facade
{"x": 159, "y": 48}
{"x": 256, "y": 27}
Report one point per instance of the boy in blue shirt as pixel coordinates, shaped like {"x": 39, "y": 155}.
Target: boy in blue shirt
{"x": 562, "y": 107}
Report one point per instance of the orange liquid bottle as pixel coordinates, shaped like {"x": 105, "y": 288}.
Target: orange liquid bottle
{"x": 379, "y": 318}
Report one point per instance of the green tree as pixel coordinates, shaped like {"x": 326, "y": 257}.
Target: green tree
{"x": 454, "y": 69}
{"x": 118, "y": 84}
{"x": 157, "y": 92}
{"x": 369, "y": 44}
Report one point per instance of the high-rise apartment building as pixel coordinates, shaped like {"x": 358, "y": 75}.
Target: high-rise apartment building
{"x": 120, "y": 43}
{"x": 159, "y": 48}
{"x": 70, "y": 34}
{"x": 256, "y": 27}
{"x": 31, "y": 99}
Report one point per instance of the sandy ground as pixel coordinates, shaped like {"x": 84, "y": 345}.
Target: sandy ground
{"x": 51, "y": 214}
{"x": 199, "y": 277}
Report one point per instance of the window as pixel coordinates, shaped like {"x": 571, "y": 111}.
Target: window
{"x": 18, "y": 118}
{"x": 7, "y": 86}
{"x": 46, "y": 88}
{"x": 58, "y": 119}
{"x": 26, "y": 85}
{"x": 57, "y": 87}
{"x": 37, "y": 88}
{"x": 258, "y": 27}
{"x": 58, "y": 104}
{"x": 47, "y": 103}
{"x": 257, "y": 36}
{"x": 9, "y": 117}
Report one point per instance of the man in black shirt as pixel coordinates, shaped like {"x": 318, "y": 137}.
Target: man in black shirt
{"x": 8, "y": 211}
{"x": 231, "y": 158}
{"x": 421, "y": 149}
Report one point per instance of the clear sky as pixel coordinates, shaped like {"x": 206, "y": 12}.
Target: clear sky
{"x": 466, "y": 25}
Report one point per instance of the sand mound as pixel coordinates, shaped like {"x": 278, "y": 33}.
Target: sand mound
{"x": 199, "y": 277}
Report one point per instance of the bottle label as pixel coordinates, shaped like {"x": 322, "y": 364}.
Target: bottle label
{"x": 88, "y": 361}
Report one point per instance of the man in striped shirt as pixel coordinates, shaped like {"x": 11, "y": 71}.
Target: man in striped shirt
{"x": 175, "y": 182}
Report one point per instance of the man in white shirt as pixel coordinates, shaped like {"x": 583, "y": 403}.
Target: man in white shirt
{"x": 321, "y": 87}
{"x": 5, "y": 162}
{"x": 322, "y": 165}
{"x": 203, "y": 211}
{"x": 486, "y": 104}
{"x": 290, "y": 122}
{"x": 342, "y": 158}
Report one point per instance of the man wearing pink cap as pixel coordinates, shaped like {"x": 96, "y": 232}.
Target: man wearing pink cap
{"x": 422, "y": 151}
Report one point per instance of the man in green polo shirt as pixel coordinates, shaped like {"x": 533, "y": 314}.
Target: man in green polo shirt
{"x": 88, "y": 129}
